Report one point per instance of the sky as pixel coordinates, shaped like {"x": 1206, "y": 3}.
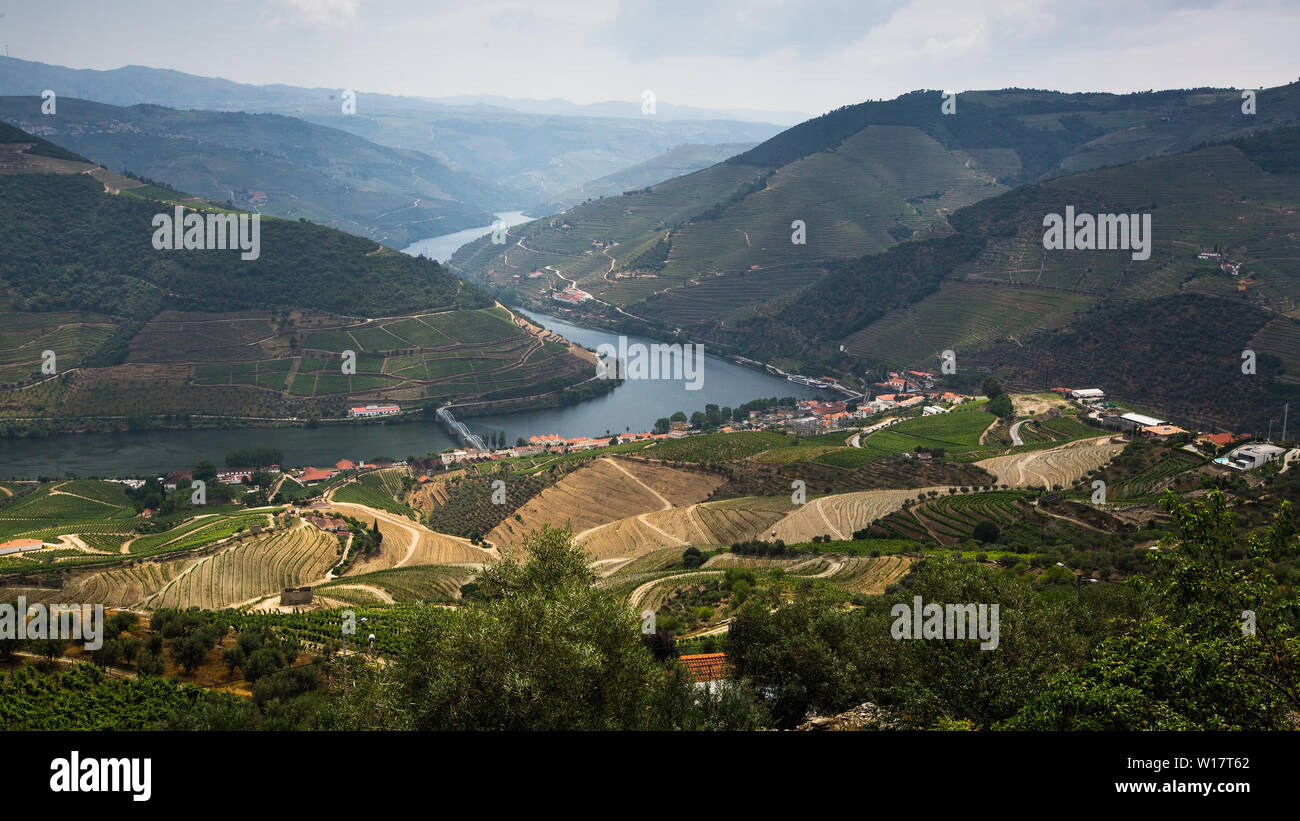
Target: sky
{"x": 806, "y": 56}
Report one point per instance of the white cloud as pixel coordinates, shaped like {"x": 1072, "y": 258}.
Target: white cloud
{"x": 801, "y": 55}
{"x": 325, "y": 13}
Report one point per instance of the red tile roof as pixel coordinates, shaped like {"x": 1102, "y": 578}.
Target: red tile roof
{"x": 1221, "y": 439}
{"x": 706, "y": 666}
{"x": 23, "y": 543}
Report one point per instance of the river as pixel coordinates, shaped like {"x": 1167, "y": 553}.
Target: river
{"x": 441, "y": 248}
{"x": 634, "y": 406}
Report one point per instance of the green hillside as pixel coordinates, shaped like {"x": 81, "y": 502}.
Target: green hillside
{"x": 700, "y": 246}
{"x": 994, "y": 295}
{"x": 139, "y": 333}
{"x": 703, "y": 251}
{"x": 684, "y": 159}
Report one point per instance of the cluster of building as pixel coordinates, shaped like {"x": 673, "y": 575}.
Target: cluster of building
{"x": 553, "y": 443}
{"x": 230, "y": 476}
{"x": 571, "y": 295}
{"x": 907, "y": 382}
{"x": 1108, "y": 416}
{"x": 1232, "y": 269}
{"x": 318, "y": 515}
{"x": 1246, "y": 457}
{"x": 236, "y": 476}
{"x": 814, "y": 416}
{"x": 327, "y": 524}
{"x": 312, "y": 475}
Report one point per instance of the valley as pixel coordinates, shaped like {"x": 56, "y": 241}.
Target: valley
{"x": 946, "y": 411}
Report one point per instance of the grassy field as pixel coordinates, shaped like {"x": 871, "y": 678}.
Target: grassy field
{"x": 957, "y": 432}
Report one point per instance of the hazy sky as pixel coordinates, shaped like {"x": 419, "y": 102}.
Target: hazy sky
{"x": 794, "y": 55}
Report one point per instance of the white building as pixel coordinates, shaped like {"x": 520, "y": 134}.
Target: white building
{"x": 931, "y": 410}
{"x": 1140, "y": 420}
{"x": 810, "y": 424}
{"x": 1088, "y": 394}
{"x": 1249, "y": 457}
{"x": 376, "y": 410}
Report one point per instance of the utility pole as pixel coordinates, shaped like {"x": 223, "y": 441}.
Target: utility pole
{"x": 1285, "y": 408}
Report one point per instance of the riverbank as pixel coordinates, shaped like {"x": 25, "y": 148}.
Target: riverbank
{"x": 134, "y": 446}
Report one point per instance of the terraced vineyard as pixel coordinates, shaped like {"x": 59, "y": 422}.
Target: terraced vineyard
{"x": 952, "y": 518}
{"x": 737, "y": 520}
{"x": 1281, "y": 338}
{"x": 1144, "y": 469}
{"x": 1065, "y": 428}
{"x": 720, "y": 221}
{"x": 406, "y": 584}
{"x": 251, "y": 568}
{"x": 252, "y": 363}
{"x": 1150, "y": 482}
{"x": 839, "y": 515}
{"x": 462, "y": 505}
{"x": 380, "y": 489}
{"x": 200, "y": 531}
{"x": 25, "y": 336}
{"x": 868, "y": 575}
{"x": 1054, "y": 467}
{"x": 604, "y": 491}
{"x": 962, "y": 316}
{"x": 109, "y": 542}
{"x": 70, "y": 506}
{"x": 408, "y": 543}
{"x": 824, "y": 474}
{"x": 715, "y": 447}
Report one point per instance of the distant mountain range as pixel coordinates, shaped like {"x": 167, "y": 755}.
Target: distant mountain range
{"x": 620, "y": 108}
{"x": 274, "y": 165}
{"x": 541, "y": 153}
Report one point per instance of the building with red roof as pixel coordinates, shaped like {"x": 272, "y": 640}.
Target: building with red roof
{"x": 705, "y": 667}
{"x": 312, "y": 475}
{"x": 20, "y": 546}
{"x": 1219, "y": 440}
